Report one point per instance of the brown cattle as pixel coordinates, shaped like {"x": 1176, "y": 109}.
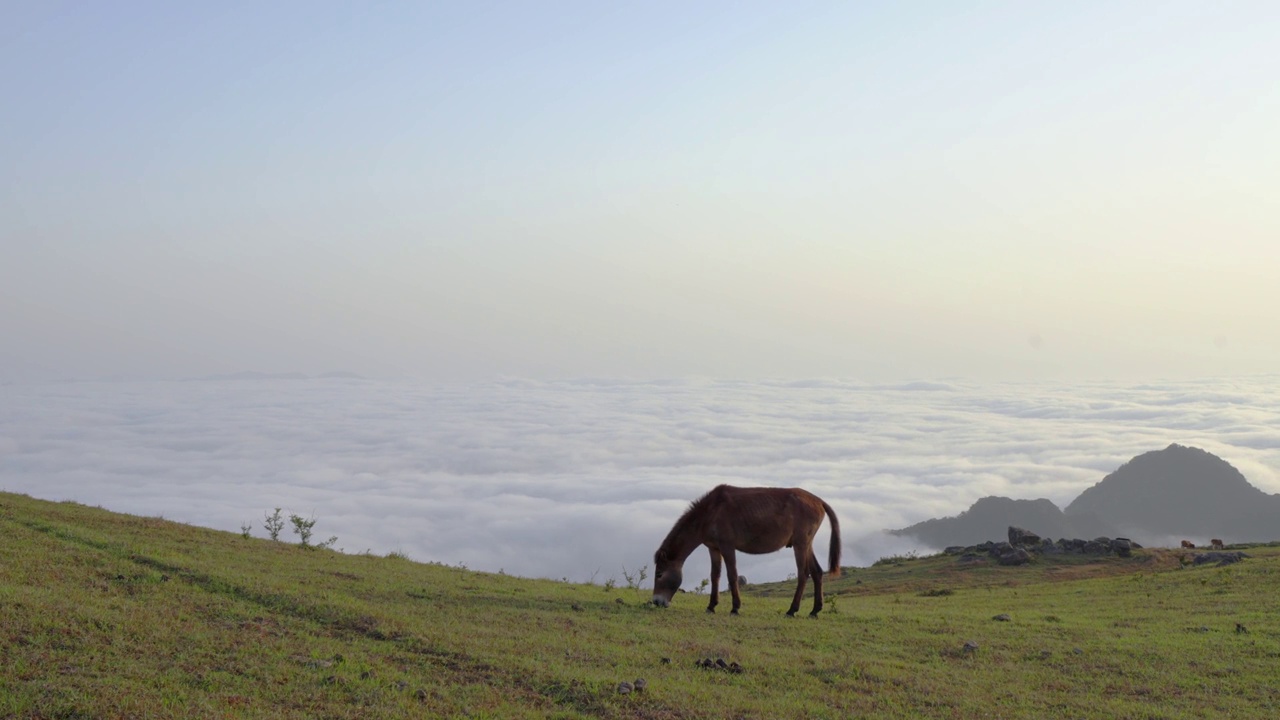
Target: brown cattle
{"x": 1216, "y": 544}
{"x": 1188, "y": 544}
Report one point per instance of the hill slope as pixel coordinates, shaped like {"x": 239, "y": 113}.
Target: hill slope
{"x": 108, "y": 615}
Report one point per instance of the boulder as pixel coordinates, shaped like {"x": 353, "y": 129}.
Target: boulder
{"x": 1014, "y": 556}
{"x": 1020, "y": 536}
{"x": 1222, "y": 558}
{"x": 1122, "y": 547}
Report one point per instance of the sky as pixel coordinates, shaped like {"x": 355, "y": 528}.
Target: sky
{"x": 582, "y": 479}
{"x": 463, "y": 192}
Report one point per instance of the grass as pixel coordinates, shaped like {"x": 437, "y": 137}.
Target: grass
{"x": 109, "y": 615}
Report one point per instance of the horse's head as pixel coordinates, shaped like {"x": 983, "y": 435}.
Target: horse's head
{"x": 668, "y": 573}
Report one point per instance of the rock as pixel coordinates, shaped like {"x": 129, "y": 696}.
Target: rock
{"x": 576, "y": 606}
{"x": 998, "y": 549}
{"x": 1015, "y": 556}
{"x": 1049, "y": 547}
{"x": 1020, "y": 536}
{"x": 624, "y": 688}
{"x": 954, "y": 550}
{"x": 720, "y": 663}
{"x": 1122, "y": 547}
{"x": 665, "y": 661}
{"x": 742, "y": 581}
{"x": 420, "y": 694}
{"x": 1093, "y": 547}
{"x": 735, "y": 668}
{"x": 1222, "y": 558}
{"x": 1002, "y": 617}
{"x": 620, "y": 601}
{"x": 640, "y": 684}
{"x": 970, "y": 646}
{"x": 1241, "y": 628}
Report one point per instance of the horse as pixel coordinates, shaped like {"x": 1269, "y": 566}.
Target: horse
{"x": 751, "y": 520}
{"x": 1188, "y": 545}
{"x": 1216, "y": 544}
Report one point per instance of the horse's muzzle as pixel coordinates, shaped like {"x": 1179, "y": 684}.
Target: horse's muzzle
{"x": 661, "y": 601}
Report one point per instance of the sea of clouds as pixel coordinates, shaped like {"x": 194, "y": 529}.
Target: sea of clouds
{"x": 581, "y": 479}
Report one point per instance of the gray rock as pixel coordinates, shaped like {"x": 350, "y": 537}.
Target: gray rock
{"x": 1021, "y": 536}
{"x": 1222, "y": 558}
{"x": 624, "y": 688}
{"x": 1002, "y": 617}
{"x": 1015, "y": 556}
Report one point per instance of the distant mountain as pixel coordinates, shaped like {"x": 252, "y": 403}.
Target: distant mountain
{"x": 990, "y": 518}
{"x": 1182, "y": 491}
{"x": 1176, "y": 492}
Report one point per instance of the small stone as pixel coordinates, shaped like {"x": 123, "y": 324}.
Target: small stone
{"x": 420, "y": 694}
{"x": 665, "y": 661}
{"x": 1241, "y": 628}
{"x": 400, "y": 684}
{"x": 1002, "y": 617}
{"x": 640, "y": 684}
{"x": 624, "y": 688}
{"x": 366, "y": 675}
{"x": 720, "y": 663}
{"x": 734, "y": 667}
{"x": 970, "y": 646}
{"x": 576, "y": 606}
{"x": 1077, "y": 651}
{"x": 620, "y": 601}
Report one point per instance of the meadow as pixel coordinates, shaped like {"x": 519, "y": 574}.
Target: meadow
{"x": 105, "y": 615}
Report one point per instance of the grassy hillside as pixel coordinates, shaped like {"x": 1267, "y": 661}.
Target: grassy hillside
{"x": 108, "y": 615}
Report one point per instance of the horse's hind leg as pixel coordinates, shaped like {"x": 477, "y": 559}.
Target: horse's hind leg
{"x": 715, "y": 581}
{"x": 815, "y": 572}
{"x": 803, "y": 554}
{"x": 731, "y": 565}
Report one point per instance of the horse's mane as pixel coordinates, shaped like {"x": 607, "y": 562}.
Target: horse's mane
{"x": 690, "y": 519}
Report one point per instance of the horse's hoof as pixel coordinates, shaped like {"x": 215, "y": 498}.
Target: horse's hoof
{"x": 711, "y": 610}
{"x": 733, "y": 611}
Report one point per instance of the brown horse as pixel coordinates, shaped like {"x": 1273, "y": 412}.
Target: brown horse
{"x": 755, "y": 521}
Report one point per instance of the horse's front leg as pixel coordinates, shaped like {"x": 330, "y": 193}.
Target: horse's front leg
{"x": 715, "y": 580}
{"x": 731, "y": 565}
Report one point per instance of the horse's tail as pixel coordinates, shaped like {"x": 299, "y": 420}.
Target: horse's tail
{"x": 833, "y": 555}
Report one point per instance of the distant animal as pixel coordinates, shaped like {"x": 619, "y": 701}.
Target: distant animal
{"x": 1216, "y": 544}
{"x": 751, "y": 520}
{"x": 1188, "y": 544}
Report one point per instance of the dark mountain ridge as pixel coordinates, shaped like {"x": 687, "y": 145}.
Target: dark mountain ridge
{"x": 1179, "y": 491}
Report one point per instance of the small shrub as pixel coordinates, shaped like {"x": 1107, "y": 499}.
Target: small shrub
{"x": 244, "y": 530}
{"x": 937, "y": 592}
{"x": 274, "y": 525}
{"x": 302, "y": 527}
{"x": 636, "y": 580}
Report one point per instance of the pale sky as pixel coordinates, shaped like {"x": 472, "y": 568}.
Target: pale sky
{"x": 460, "y": 191}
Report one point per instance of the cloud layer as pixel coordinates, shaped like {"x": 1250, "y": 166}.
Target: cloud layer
{"x": 579, "y": 479}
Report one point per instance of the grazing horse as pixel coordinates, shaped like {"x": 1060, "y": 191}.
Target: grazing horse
{"x": 1216, "y": 544}
{"x": 752, "y": 520}
{"x": 1188, "y": 545}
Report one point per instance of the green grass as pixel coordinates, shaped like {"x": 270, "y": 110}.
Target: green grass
{"x": 109, "y": 615}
